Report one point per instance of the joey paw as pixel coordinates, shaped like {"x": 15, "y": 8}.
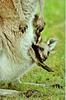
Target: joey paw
{"x": 39, "y": 24}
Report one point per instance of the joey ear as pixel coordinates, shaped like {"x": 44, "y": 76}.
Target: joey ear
{"x": 52, "y": 43}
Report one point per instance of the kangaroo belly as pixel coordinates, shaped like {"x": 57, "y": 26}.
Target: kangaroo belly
{"x": 10, "y": 71}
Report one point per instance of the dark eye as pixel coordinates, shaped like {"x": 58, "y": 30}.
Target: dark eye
{"x": 48, "y": 53}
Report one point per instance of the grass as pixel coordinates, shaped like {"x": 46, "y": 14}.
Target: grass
{"x": 54, "y": 18}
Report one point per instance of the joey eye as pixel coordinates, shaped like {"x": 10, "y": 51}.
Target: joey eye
{"x": 48, "y": 53}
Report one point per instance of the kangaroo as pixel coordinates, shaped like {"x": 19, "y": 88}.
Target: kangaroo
{"x": 17, "y": 37}
{"x": 16, "y": 18}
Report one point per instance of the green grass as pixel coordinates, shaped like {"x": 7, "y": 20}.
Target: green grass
{"x": 54, "y": 18}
